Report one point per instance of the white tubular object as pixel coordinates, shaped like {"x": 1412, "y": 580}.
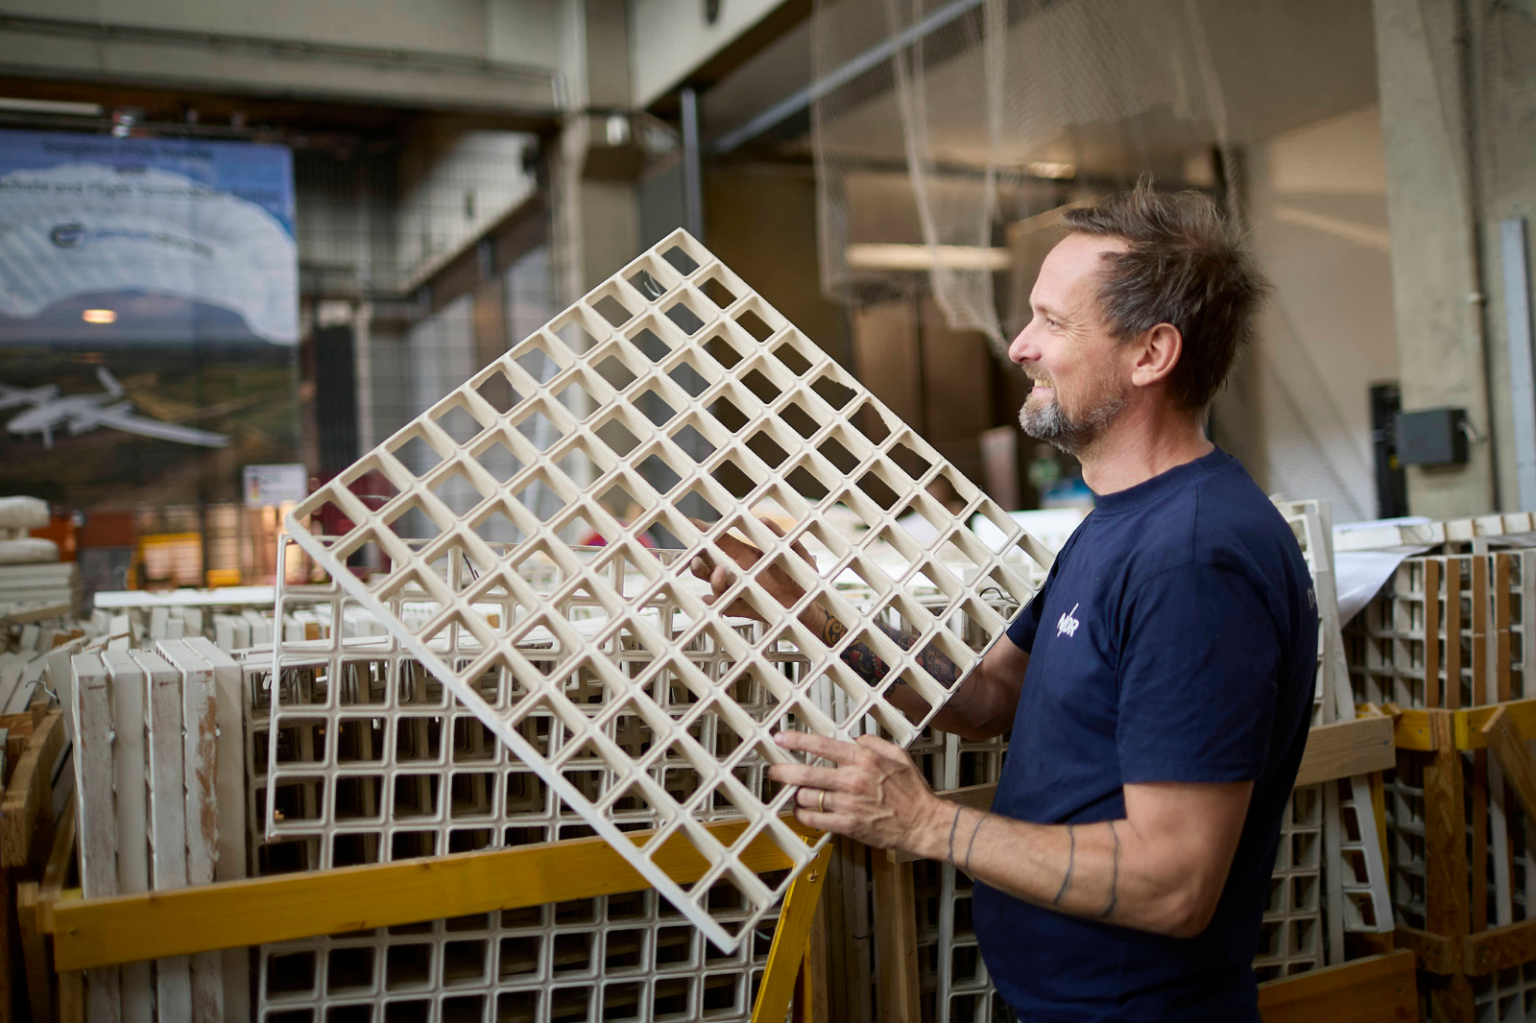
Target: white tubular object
{"x": 29, "y": 550}
{"x": 23, "y": 513}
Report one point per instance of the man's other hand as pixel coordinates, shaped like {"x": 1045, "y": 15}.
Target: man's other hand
{"x": 720, "y": 576}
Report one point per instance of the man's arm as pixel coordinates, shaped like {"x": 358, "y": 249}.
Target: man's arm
{"x": 984, "y": 702}
{"x": 982, "y": 705}
{"x": 1161, "y": 868}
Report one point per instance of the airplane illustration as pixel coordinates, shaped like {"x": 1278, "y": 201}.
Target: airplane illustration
{"x": 81, "y": 412}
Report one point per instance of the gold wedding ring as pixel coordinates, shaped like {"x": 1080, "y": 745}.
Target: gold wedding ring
{"x": 821, "y": 804}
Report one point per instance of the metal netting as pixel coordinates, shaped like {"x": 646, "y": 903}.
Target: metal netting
{"x": 948, "y": 120}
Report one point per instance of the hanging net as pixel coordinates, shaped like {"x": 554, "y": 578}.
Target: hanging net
{"x": 941, "y": 121}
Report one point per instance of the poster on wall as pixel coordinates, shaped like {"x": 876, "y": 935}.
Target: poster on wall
{"x": 148, "y": 317}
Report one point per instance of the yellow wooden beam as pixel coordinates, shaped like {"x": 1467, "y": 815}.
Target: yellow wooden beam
{"x": 1521, "y": 714}
{"x": 1412, "y": 729}
{"x": 1507, "y": 741}
{"x": 125, "y": 928}
{"x": 1377, "y": 989}
{"x": 26, "y": 795}
{"x": 789, "y": 940}
{"x": 1347, "y": 749}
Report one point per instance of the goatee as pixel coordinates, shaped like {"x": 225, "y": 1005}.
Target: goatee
{"x": 1073, "y": 435}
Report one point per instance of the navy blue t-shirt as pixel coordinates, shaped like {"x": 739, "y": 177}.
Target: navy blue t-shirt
{"x": 1175, "y": 640}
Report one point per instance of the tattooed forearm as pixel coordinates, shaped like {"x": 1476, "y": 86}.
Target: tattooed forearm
{"x": 933, "y": 662}
{"x": 858, "y": 656}
{"x": 1066, "y": 882}
{"x": 939, "y": 666}
{"x": 1114, "y": 877}
{"x": 972, "y": 843}
{"x": 872, "y": 668}
{"x": 952, "y": 826}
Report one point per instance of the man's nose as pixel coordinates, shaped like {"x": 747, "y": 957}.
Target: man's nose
{"x": 1021, "y": 349}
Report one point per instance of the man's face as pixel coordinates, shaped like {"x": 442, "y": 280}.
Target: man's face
{"x": 1068, "y": 351}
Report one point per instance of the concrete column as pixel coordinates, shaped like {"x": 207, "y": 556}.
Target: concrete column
{"x": 596, "y": 213}
{"x": 1436, "y": 273}
{"x": 1505, "y": 44}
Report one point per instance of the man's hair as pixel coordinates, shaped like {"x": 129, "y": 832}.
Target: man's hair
{"x": 1185, "y": 266}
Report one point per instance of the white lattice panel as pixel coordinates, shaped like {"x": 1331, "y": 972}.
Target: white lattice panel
{"x": 1291, "y": 939}
{"x": 620, "y": 957}
{"x": 1451, "y": 631}
{"x": 1358, "y": 893}
{"x": 671, "y": 385}
{"x": 372, "y": 763}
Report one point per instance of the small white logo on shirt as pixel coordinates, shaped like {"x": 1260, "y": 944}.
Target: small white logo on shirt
{"x": 1066, "y": 624}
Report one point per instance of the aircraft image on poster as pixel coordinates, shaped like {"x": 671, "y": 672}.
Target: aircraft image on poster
{"x": 78, "y": 413}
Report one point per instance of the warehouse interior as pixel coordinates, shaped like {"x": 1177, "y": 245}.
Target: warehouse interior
{"x": 348, "y": 247}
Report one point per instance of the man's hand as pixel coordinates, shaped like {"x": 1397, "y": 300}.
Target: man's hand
{"x": 875, "y": 794}
{"x": 720, "y": 577}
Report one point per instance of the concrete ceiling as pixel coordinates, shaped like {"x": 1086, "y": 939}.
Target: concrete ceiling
{"x": 1279, "y": 63}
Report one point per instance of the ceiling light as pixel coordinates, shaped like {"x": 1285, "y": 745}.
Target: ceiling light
{"x": 50, "y": 106}
{"x": 1048, "y": 169}
{"x": 869, "y": 256}
{"x": 99, "y": 316}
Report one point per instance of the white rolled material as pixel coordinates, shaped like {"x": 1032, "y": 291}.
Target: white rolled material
{"x": 28, "y": 551}
{"x": 23, "y": 513}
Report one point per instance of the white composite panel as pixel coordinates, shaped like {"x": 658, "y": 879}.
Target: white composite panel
{"x": 92, "y": 712}
{"x": 167, "y": 815}
{"x": 670, "y": 384}
{"x": 202, "y": 820}
{"x": 128, "y": 686}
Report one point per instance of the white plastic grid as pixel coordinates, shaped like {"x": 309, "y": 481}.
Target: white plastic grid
{"x": 1292, "y": 936}
{"x": 655, "y": 965}
{"x": 628, "y": 957}
{"x": 954, "y": 982}
{"x": 1358, "y": 894}
{"x": 688, "y": 389}
{"x": 1472, "y": 628}
{"x": 375, "y": 762}
{"x": 1506, "y": 996}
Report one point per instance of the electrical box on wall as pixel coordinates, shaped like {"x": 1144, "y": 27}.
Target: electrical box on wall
{"x": 1433, "y": 436}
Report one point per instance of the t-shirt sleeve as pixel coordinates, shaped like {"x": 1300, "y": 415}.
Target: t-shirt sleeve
{"x": 1024, "y": 626}
{"x": 1201, "y": 653}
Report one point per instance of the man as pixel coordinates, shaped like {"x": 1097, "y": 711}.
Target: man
{"x": 1158, "y": 687}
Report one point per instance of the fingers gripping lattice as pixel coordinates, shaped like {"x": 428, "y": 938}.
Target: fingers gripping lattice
{"x": 672, "y": 400}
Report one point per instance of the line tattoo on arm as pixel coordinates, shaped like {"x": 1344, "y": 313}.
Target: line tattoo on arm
{"x": 972, "y": 843}
{"x": 1114, "y": 877}
{"x": 1066, "y": 882}
{"x": 952, "y": 826}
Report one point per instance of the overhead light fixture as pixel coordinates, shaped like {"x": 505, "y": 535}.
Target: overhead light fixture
{"x": 15, "y": 104}
{"x": 1048, "y": 169}
{"x": 99, "y": 316}
{"x": 871, "y": 256}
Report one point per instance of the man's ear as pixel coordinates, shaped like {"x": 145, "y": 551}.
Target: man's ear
{"x": 1157, "y": 352}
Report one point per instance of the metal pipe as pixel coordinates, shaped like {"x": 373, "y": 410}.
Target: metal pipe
{"x": 1522, "y": 376}
{"x": 865, "y": 61}
{"x": 373, "y": 56}
{"x": 693, "y": 176}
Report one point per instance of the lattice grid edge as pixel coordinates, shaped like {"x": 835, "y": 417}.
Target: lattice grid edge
{"x": 649, "y": 318}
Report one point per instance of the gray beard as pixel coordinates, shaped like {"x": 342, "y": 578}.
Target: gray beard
{"x": 1050, "y": 424}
